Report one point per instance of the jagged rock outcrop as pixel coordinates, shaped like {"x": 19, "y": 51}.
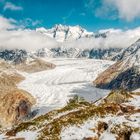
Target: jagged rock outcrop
{"x": 124, "y": 74}
{"x": 16, "y": 56}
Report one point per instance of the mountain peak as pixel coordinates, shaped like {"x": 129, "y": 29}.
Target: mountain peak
{"x": 62, "y": 33}
{"x": 61, "y": 26}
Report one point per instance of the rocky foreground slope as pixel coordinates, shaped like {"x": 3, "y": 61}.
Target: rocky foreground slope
{"x": 123, "y": 74}
{"x": 81, "y": 120}
{"x": 114, "y": 116}
{"x": 15, "y": 103}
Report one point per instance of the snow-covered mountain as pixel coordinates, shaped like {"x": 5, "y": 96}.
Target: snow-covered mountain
{"x": 66, "y": 37}
{"x": 124, "y": 73}
{"x": 71, "y": 44}
{"x": 65, "y": 33}
{"x": 17, "y": 56}
{"x": 74, "y": 42}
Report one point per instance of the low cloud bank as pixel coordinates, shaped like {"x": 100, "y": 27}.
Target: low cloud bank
{"x": 13, "y": 37}
{"x": 115, "y": 39}
{"x": 25, "y": 39}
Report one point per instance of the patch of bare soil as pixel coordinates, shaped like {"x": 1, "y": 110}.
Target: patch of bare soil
{"x": 36, "y": 65}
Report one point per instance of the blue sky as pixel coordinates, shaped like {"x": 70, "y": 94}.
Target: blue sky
{"x": 90, "y": 14}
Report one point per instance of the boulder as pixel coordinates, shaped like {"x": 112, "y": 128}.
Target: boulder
{"x": 15, "y": 106}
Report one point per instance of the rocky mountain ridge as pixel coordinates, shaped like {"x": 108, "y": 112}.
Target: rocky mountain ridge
{"x": 124, "y": 73}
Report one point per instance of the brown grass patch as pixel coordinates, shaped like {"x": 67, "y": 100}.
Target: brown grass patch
{"x": 35, "y": 65}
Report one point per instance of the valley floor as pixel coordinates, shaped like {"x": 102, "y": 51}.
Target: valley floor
{"x": 53, "y": 88}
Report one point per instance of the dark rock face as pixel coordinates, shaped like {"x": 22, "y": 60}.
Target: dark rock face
{"x": 129, "y": 80}
{"x": 19, "y": 56}
{"x": 104, "y": 53}
{"x": 23, "y": 109}
{"x": 16, "y": 56}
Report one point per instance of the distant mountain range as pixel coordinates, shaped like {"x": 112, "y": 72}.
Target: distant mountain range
{"x": 18, "y": 56}
{"x": 66, "y": 35}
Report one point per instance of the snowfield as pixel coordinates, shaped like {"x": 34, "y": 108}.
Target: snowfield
{"x": 53, "y": 88}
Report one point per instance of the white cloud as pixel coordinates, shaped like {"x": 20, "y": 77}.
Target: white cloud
{"x": 25, "y": 39}
{"x": 31, "y": 40}
{"x": 123, "y": 9}
{"x": 11, "y": 6}
{"x": 6, "y": 23}
{"x": 21, "y": 38}
{"x": 127, "y": 9}
{"x": 28, "y": 22}
{"x": 116, "y": 38}
{"x": 10, "y": 23}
